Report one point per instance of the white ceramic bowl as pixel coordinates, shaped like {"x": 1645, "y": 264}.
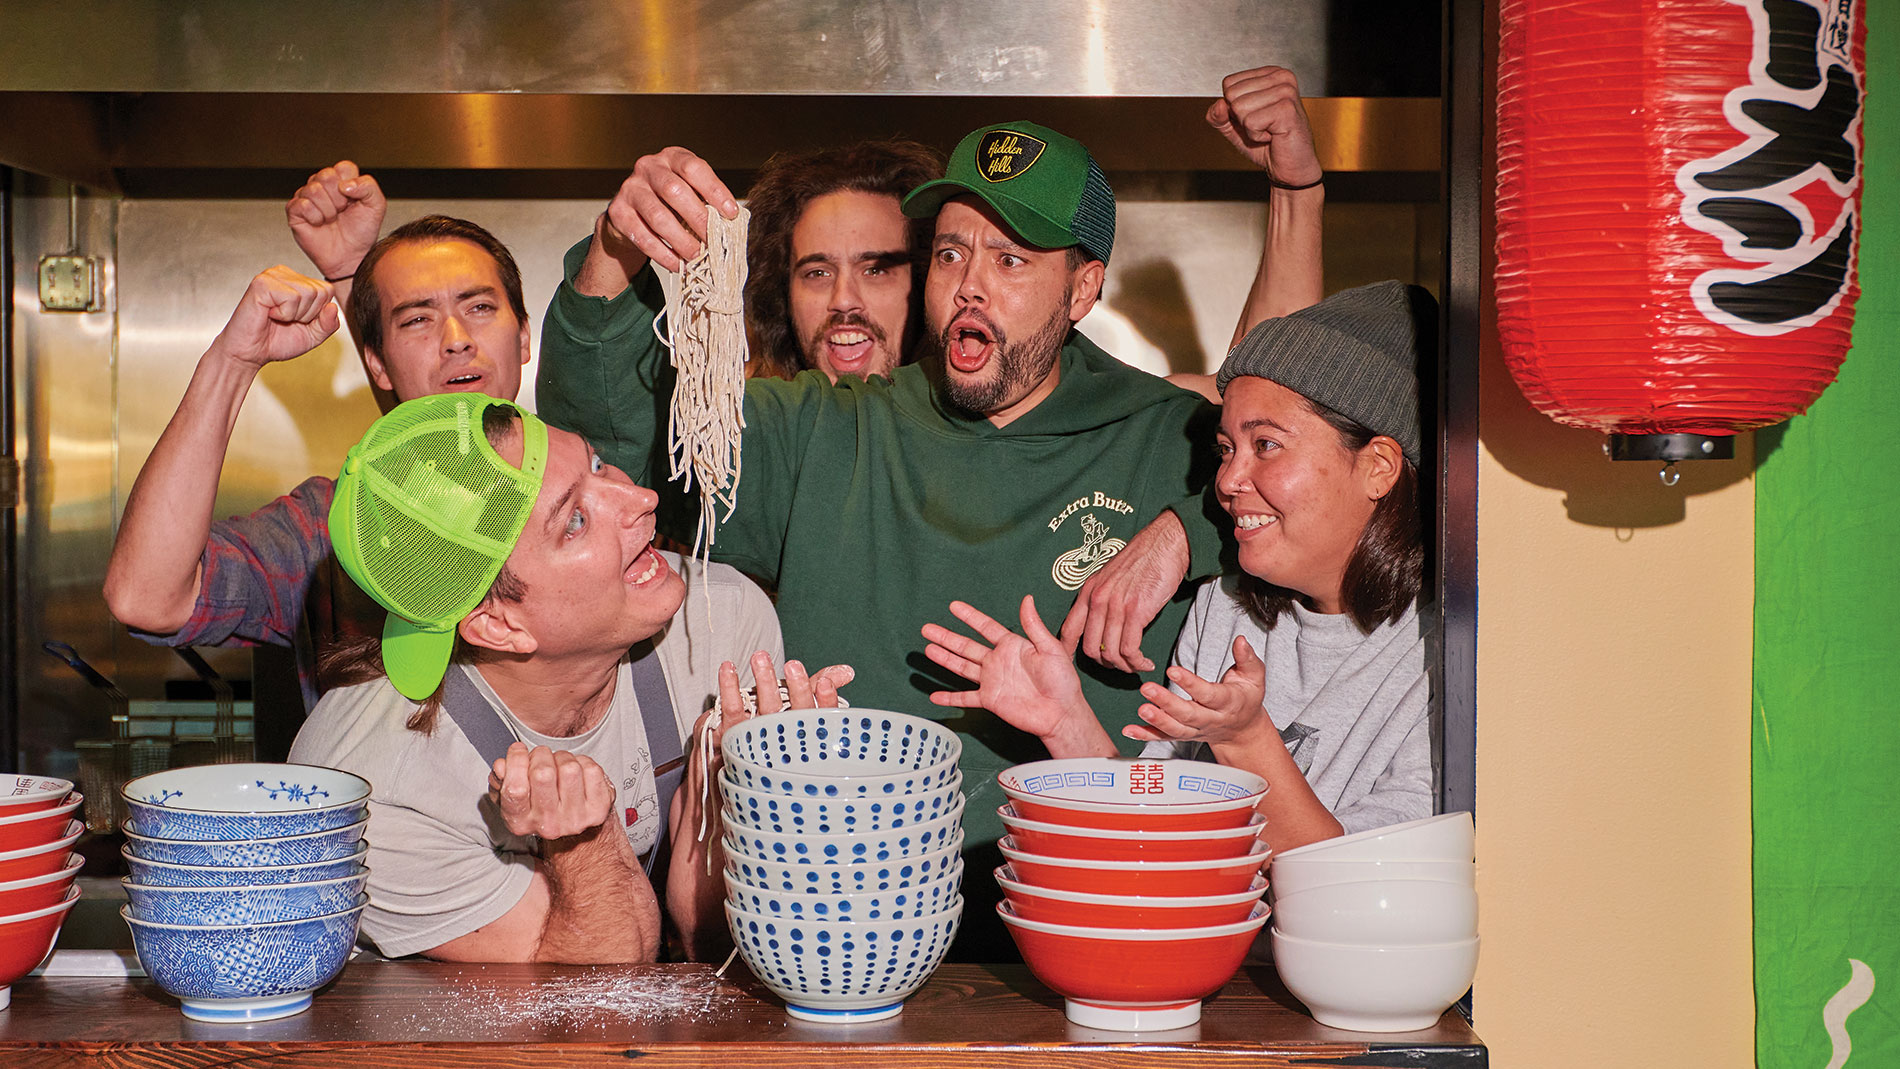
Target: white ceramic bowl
{"x": 1117, "y": 792}
{"x": 1380, "y": 913}
{"x": 843, "y": 970}
{"x": 244, "y": 801}
{"x": 860, "y": 848}
{"x": 1304, "y": 874}
{"x": 1446, "y": 837}
{"x": 788, "y": 814}
{"x": 791, "y": 877}
{"x": 1375, "y": 989}
{"x": 896, "y": 905}
{"x": 841, "y": 753}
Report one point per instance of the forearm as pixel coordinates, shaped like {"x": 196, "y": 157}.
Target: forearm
{"x": 1295, "y": 815}
{"x": 601, "y": 909}
{"x": 696, "y": 882}
{"x": 1291, "y": 275}
{"x": 611, "y": 262}
{"x": 152, "y": 578}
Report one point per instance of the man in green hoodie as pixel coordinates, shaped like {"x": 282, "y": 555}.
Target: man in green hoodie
{"x": 1016, "y": 458}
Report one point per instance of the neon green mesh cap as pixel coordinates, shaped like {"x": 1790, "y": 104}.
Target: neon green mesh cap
{"x": 426, "y": 512}
{"x": 1045, "y": 185}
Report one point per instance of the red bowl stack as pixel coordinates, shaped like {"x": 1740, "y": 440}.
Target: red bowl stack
{"x": 1112, "y": 861}
{"x": 37, "y": 870}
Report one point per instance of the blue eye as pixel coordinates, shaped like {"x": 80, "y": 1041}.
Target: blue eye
{"x": 575, "y": 522}
{"x": 594, "y": 463}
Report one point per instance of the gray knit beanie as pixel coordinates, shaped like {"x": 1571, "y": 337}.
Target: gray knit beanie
{"x": 1355, "y": 352}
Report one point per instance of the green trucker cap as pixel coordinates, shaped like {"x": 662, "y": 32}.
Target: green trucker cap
{"x": 426, "y": 513}
{"x": 1045, "y": 185}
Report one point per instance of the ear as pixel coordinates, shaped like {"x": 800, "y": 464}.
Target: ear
{"x": 527, "y": 354}
{"x": 1379, "y": 464}
{"x": 1085, "y": 288}
{"x": 378, "y": 374}
{"x": 492, "y": 626}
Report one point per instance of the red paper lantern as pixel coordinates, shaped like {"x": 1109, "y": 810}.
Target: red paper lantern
{"x": 1678, "y": 200}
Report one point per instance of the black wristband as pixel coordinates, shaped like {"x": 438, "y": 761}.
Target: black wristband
{"x": 1277, "y": 184}
{"x": 340, "y": 278}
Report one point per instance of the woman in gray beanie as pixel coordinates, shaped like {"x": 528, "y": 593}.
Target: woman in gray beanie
{"x": 1308, "y": 667}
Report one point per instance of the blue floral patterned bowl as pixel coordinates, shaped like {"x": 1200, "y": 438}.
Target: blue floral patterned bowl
{"x": 788, "y": 814}
{"x": 853, "y": 849}
{"x": 248, "y": 853}
{"x": 843, "y": 970}
{"x": 249, "y": 801}
{"x": 253, "y": 972}
{"x": 166, "y": 874}
{"x": 261, "y": 904}
{"x": 841, "y": 753}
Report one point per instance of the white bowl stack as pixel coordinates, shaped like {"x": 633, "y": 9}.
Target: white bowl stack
{"x": 1378, "y": 932}
{"x": 844, "y": 868}
{"x": 247, "y": 883}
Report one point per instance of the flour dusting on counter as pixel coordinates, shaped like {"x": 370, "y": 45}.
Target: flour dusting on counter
{"x": 586, "y": 1000}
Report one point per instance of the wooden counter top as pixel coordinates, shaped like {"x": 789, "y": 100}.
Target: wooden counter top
{"x": 419, "y": 1014}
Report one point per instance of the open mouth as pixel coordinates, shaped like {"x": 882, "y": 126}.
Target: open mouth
{"x": 1249, "y": 522}
{"x": 645, "y": 568}
{"x": 464, "y": 380}
{"x": 849, "y": 348}
{"x": 970, "y": 344}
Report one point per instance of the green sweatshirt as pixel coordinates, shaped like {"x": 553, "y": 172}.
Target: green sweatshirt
{"x": 870, "y": 507}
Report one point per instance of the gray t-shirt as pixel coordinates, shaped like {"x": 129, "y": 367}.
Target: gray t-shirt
{"x": 442, "y": 863}
{"x": 1353, "y": 708}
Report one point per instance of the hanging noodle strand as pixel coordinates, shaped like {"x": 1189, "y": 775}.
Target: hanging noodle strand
{"x": 705, "y": 330}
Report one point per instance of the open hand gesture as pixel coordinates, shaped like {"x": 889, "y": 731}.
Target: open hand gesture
{"x": 1214, "y": 713}
{"x": 336, "y": 216}
{"x": 1259, "y": 113}
{"x": 1028, "y": 680}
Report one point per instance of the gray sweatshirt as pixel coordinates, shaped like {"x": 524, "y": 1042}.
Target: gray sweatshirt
{"x": 1353, "y": 709}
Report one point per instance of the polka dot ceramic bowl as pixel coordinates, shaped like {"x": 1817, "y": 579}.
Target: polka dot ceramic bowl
{"x": 254, "y": 972}
{"x": 841, "y": 753}
{"x": 163, "y": 874}
{"x": 259, "y": 904}
{"x": 789, "y": 814}
{"x": 843, "y": 970}
{"x": 858, "y": 848}
{"x": 244, "y": 801}
{"x": 790, "y": 877}
{"x": 902, "y": 904}
{"x": 261, "y": 853}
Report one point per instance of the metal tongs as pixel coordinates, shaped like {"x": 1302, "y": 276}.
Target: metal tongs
{"x": 104, "y": 764}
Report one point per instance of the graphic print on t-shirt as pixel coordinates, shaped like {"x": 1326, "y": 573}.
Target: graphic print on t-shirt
{"x": 1073, "y": 568}
{"x": 1302, "y": 742}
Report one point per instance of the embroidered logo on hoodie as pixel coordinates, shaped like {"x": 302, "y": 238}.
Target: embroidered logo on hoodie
{"x": 1073, "y": 568}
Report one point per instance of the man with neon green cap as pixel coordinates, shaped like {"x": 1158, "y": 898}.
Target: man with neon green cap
{"x": 528, "y": 710}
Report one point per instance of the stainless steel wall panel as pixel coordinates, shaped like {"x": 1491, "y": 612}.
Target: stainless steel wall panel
{"x": 63, "y": 381}
{"x": 1022, "y": 47}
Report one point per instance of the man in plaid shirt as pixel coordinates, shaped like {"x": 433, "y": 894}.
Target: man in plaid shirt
{"x": 435, "y": 307}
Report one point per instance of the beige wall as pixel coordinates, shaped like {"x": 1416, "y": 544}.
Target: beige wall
{"x": 1613, "y": 749}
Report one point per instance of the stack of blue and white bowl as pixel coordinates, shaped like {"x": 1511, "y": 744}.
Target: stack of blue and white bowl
{"x": 247, "y": 883}
{"x": 844, "y": 869}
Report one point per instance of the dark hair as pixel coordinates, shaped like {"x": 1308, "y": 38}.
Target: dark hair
{"x": 1387, "y": 568}
{"x": 784, "y": 186}
{"x": 365, "y": 308}
{"x": 354, "y": 659}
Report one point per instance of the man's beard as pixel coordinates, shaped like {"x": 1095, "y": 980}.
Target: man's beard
{"x": 1019, "y": 366}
